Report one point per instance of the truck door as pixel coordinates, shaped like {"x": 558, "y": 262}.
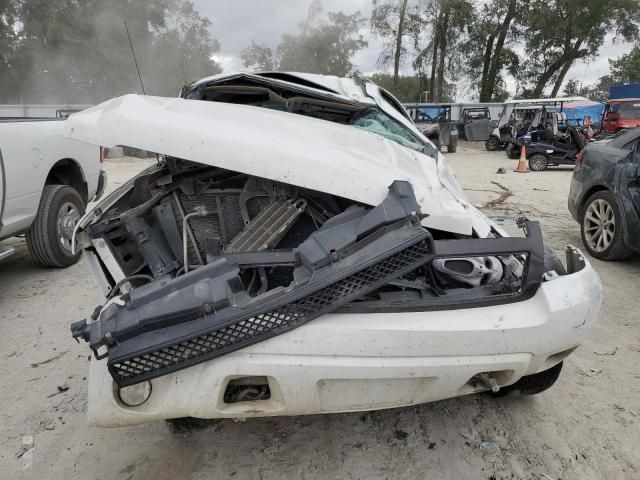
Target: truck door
{"x": 629, "y": 188}
{"x": 478, "y": 128}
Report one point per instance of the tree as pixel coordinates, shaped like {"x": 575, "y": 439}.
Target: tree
{"x": 448, "y": 21}
{"x": 325, "y": 49}
{"x": 325, "y": 46}
{"x": 626, "y": 69}
{"x": 186, "y": 48}
{"x": 492, "y": 29}
{"x": 257, "y": 57}
{"x": 409, "y": 88}
{"x": 560, "y": 32}
{"x": 394, "y": 22}
{"x": 76, "y": 51}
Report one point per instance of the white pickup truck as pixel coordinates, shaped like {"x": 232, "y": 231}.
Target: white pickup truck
{"x": 46, "y": 181}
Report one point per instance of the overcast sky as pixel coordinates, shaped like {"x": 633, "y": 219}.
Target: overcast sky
{"x": 236, "y": 23}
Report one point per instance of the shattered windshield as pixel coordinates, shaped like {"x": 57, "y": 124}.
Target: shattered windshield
{"x": 376, "y": 121}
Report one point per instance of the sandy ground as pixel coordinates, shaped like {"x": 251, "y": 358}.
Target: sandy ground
{"x": 586, "y": 426}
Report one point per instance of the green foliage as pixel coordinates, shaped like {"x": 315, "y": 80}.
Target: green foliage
{"x": 626, "y": 69}
{"x": 560, "y": 32}
{"x": 491, "y": 33}
{"x": 325, "y": 47}
{"x": 258, "y": 57}
{"x": 77, "y": 51}
{"x": 398, "y": 24}
{"x": 442, "y": 56}
{"x": 7, "y": 45}
{"x": 410, "y": 88}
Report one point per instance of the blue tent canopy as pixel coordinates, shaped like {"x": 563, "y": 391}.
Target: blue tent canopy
{"x": 577, "y": 112}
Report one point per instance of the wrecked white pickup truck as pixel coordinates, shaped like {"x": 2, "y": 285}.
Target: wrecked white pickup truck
{"x": 315, "y": 255}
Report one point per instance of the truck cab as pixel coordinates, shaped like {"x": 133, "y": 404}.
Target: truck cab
{"x": 434, "y": 122}
{"x": 621, "y": 115}
{"x": 46, "y": 180}
{"x": 622, "y": 110}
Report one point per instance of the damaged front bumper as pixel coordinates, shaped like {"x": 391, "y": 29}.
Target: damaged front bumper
{"x": 350, "y": 362}
{"x": 384, "y": 325}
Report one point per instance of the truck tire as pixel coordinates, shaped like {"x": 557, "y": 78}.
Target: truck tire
{"x": 453, "y": 145}
{"x": 50, "y": 235}
{"x": 532, "y": 384}
{"x": 601, "y": 213}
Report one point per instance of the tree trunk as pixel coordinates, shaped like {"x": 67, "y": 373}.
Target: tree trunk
{"x": 566, "y": 67}
{"x": 496, "y": 63}
{"x": 568, "y": 57}
{"x": 398, "y": 52}
{"x": 434, "y": 59}
{"x": 486, "y": 62}
{"x": 546, "y": 76}
{"x": 443, "y": 54}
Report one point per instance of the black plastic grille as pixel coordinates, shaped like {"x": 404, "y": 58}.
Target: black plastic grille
{"x": 267, "y": 324}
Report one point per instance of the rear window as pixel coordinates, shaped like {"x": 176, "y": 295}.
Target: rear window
{"x": 627, "y": 110}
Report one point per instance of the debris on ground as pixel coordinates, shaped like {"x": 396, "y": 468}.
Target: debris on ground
{"x": 592, "y": 372}
{"x": 27, "y": 444}
{"x": 506, "y": 193}
{"x": 61, "y": 389}
{"x": 607, "y": 352}
{"x": 49, "y": 360}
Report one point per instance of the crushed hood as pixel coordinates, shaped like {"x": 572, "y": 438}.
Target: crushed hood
{"x": 302, "y": 151}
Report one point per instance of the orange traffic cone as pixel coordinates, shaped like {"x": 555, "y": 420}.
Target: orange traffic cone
{"x": 522, "y": 163}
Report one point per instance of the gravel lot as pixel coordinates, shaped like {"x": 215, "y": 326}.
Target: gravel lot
{"x": 586, "y": 426}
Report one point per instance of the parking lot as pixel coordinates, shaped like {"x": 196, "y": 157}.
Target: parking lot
{"x": 586, "y": 426}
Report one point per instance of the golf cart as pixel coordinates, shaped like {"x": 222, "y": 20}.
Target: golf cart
{"x": 434, "y": 121}
{"x": 527, "y": 119}
{"x": 517, "y": 113}
{"x": 557, "y": 143}
{"x": 475, "y": 124}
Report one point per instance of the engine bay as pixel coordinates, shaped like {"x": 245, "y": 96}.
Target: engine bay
{"x": 186, "y": 216}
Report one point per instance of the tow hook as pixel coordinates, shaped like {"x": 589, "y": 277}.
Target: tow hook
{"x": 489, "y": 382}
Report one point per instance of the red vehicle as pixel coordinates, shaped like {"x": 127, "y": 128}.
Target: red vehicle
{"x": 622, "y": 110}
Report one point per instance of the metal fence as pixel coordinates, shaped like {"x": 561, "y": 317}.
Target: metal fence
{"x": 39, "y": 111}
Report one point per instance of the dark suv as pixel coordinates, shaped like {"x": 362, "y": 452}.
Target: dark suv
{"x": 605, "y": 196}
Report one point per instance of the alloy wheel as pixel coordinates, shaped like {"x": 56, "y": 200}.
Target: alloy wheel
{"x": 599, "y": 225}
